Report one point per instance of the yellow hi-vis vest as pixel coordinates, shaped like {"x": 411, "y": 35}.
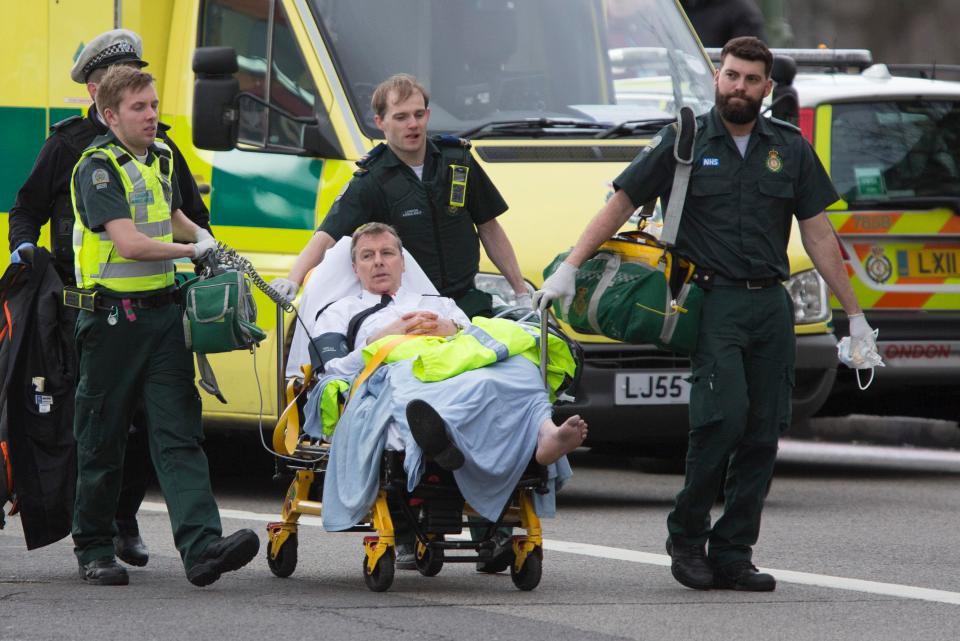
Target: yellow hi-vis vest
{"x": 487, "y": 341}
{"x": 148, "y": 191}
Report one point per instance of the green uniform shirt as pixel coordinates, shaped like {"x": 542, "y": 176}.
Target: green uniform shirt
{"x": 100, "y": 194}
{"x": 737, "y": 214}
{"x": 442, "y": 239}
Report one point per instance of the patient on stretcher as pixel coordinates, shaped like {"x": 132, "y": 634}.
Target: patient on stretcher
{"x": 385, "y": 308}
{"x": 482, "y": 412}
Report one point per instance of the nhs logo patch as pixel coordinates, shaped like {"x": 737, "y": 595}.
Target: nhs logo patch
{"x": 711, "y": 162}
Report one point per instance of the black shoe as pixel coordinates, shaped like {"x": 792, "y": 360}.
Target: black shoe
{"x": 104, "y": 571}
{"x": 406, "y": 556}
{"x": 743, "y": 575}
{"x": 430, "y": 433}
{"x": 690, "y": 566}
{"x": 224, "y": 555}
{"x": 131, "y": 549}
{"x": 502, "y": 556}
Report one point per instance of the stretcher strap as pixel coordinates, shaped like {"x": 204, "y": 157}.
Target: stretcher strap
{"x": 377, "y": 359}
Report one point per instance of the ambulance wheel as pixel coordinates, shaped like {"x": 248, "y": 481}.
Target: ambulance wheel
{"x": 529, "y": 575}
{"x": 431, "y": 562}
{"x": 286, "y": 561}
{"x": 381, "y": 578}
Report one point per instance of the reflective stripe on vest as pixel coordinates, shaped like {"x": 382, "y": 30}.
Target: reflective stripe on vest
{"x": 149, "y": 194}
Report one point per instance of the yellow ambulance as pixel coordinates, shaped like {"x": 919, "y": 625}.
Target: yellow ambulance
{"x": 558, "y": 96}
{"x": 891, "y": 143}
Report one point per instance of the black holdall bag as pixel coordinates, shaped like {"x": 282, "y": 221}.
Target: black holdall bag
{"x": 636, "y": 289}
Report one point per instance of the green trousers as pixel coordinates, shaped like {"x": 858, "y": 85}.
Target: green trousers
{"x": 120, "y": 364}
{"x": 740, "y": 399}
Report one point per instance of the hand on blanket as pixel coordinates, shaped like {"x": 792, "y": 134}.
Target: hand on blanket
{"x": 418, "y": 323}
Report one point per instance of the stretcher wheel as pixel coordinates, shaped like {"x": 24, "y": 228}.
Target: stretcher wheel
{"x": 529, "y": 575}
{"x": 381, "y": 578}
{"x": 286, "y": 561}
{"x": 431, "y": 562}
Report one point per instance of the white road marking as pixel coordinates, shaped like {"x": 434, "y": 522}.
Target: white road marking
{"x": 648, "y": 558}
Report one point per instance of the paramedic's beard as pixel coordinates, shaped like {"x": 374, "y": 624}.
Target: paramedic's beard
{"x": 739, "y": 113}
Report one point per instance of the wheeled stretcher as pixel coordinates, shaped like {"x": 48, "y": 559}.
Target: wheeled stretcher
{"x": 435, "y": 509}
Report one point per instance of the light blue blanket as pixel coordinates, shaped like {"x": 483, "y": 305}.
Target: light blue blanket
{"x": 493, "y": 415}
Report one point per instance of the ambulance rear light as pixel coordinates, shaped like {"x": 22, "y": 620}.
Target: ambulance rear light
{"x": 805, "y": 122}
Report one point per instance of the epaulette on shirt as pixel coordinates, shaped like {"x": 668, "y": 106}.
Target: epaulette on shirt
{"x": 66, "y": 122}
{"x": 368, "y": 158}
{"x": 785, "y": 125}
{"x": 448, "y": 140}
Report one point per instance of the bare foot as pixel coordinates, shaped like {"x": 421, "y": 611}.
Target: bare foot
{"x": 554, "y": 441}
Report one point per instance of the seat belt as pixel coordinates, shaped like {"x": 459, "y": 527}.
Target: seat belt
{"x": 683, "y": 154}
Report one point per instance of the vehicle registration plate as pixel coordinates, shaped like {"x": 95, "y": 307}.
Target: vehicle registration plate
{"x": 652, "y": 388}
{"x": 938, "y": 263}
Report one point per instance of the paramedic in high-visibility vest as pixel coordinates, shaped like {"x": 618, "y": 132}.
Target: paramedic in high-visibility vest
{"x": 130, "y": 339}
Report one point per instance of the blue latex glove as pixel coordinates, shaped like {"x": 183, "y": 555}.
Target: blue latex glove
{"x": 15, "y": 256}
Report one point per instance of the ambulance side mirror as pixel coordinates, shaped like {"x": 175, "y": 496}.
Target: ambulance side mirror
{"x": 215, "y": 91}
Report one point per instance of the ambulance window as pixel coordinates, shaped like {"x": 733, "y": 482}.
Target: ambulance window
{"x": 243, "y": 26}
{"x": 281, "y": 78}
{"x": 887, "y": 150}
{"x": 291, "y": 86}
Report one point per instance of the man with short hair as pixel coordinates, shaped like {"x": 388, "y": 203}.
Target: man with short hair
{"x": 385, "y": 308}
{"x": 45, "y": 196}
{"x": 433, "y": 191}
{"x": 130, "y": 339}
{"x": 750, "y": 177}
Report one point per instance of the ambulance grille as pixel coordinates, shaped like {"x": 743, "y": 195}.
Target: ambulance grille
{"x": 566, "y": 153}
{"x": 618, "y": 356}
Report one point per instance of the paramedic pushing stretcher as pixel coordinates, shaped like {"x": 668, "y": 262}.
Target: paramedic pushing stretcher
{"x": 440, "y": 201}
{"x": 130, "y": 340}
{"x": 750, "y": 176}
{"x": 45, "y": 196}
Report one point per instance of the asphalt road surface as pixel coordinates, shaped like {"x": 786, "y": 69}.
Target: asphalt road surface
{"x": 863, "y": 541}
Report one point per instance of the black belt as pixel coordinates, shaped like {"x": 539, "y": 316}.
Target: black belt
{"x": 147, "y": 302}
{"x": 747, "y": 283}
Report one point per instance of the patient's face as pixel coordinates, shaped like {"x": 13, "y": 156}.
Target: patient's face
{"x": 378, "y": 262}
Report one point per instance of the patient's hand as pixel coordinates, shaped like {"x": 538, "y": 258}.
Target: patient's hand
{"x": 417, "y": 323}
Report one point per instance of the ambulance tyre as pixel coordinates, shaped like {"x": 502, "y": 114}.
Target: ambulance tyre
{"x": 529, "y": 575}
{"x": 381, "y": 578}
{"x": 286, "y": 561}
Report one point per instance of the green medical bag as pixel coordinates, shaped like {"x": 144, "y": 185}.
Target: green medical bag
{"x": 220, "y": 314}
{"x": 636, "y": 291}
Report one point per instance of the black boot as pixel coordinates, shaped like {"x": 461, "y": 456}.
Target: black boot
{"x": 690, "y": 566}
{"x": 743, "y": 575}
{"x": 430, "y": 433}
{"x": 224, "y": 555}
{"x": 104, "y": 571}
{"x": 128, "y": 545}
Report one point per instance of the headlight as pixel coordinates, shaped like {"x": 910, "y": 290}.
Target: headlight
{"x": 811, "y": 301}
{"x": 498, "y": 287}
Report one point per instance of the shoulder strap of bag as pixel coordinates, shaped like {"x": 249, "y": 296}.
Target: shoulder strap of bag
{"x": 683, "y": 154}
